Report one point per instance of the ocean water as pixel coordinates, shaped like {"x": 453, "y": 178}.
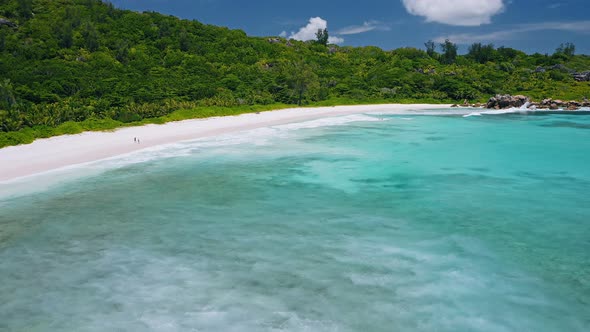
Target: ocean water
{"x": 370, "y": 222}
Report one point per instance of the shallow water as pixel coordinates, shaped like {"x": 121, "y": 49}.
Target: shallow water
{"x": 358, "y": 223}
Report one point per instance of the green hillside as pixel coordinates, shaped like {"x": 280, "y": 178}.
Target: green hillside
{"x": 73, "y": 65}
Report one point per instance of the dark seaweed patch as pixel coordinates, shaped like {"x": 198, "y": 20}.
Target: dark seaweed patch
{"x": 566, "y": 124}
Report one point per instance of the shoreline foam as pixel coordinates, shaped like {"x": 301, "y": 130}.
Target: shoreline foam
{"x": 58, "y": 152}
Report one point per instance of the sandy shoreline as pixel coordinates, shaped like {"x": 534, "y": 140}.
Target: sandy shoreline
{"x": 57, "y": 152}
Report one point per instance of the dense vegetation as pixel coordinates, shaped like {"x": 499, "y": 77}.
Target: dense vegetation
{"x": 73, "y": 65}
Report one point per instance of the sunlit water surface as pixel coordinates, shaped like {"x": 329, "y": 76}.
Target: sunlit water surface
{"x": 359, "y": 223}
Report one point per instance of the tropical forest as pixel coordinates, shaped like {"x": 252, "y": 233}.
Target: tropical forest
{"x": 74, "y": 65}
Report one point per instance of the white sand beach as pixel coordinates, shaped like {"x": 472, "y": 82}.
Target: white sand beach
{"x": 57, "y": 152}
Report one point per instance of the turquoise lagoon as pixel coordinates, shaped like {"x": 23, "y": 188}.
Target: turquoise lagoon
{"x": 369, "y": 222}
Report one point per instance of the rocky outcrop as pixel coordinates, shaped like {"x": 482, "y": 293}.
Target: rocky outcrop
{"x": 507, "y": 101}
{"x": 268, "y": 65}
{"x": 582, "y": 77}
{"x": 561, "y": 67}
{"x": 518, "y": 101}
{"x": 556, "y": 104}
{"x": 7, "y": 23}
{"x": 430, "y": 71}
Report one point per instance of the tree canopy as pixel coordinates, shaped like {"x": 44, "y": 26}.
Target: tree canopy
{"x": 322, "y": 36}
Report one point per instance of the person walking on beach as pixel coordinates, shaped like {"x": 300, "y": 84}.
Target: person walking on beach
{"x": 135, "y": 139}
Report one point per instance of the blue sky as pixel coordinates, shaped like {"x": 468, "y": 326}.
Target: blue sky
{"x": 529, "y": 25}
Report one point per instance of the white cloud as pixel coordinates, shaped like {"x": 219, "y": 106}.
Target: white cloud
{"x": 469, "y": 38}
{"x": 455, "y": 12}
{"x": 309, "y": 31}
{"x": 365, "y": 27}
{"x": 335, "y": 40}
{"x": 572, "y": 26}
{"x": 283, "y": 34}
{"x": 508, "y": 34}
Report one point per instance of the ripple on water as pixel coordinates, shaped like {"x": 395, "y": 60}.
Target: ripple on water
{"x": 330, "y": 226}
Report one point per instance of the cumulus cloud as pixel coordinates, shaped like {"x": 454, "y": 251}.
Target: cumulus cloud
{"x": 335, "y": 40}
{"x": 309, "y": 31}
{"x": 455, "y": 12}
{"x": 365, "y": 27}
